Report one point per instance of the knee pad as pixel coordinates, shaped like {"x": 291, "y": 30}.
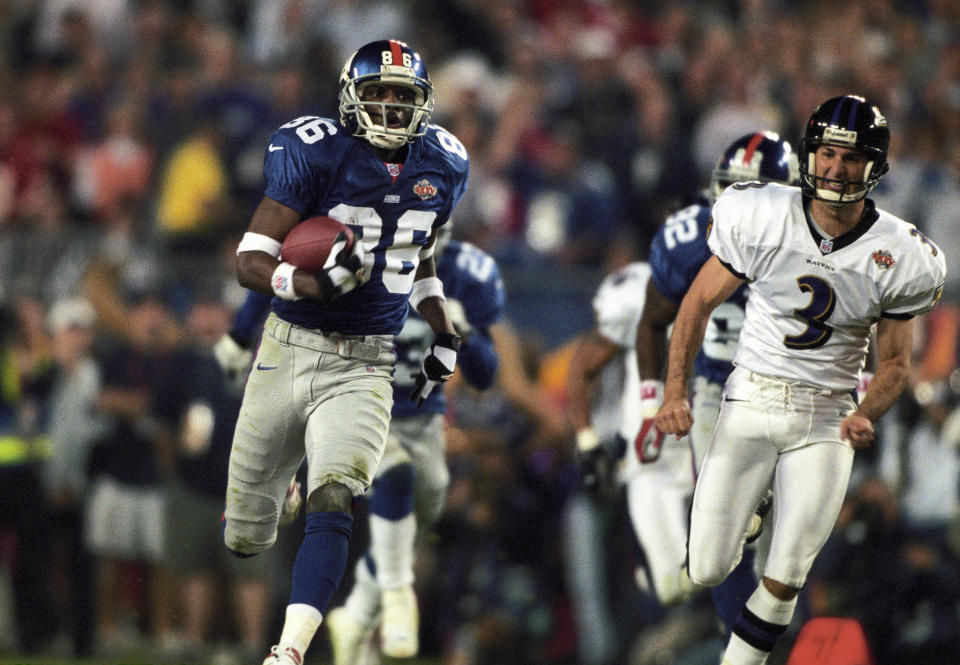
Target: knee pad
{"x": 704, "y": 572}
{"x": 245, "y": 539}
{"x": 392, "y": 496}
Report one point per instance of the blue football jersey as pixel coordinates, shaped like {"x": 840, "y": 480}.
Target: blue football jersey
{"x": 316, "y": 167}
{"x": 677, "y": 253}
{"x": 470, "y": 276}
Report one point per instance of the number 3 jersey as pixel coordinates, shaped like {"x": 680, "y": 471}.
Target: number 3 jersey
{"x": 677, "y": 253}
{"x": 812, "y": 299}
{"x": 316, "y": 167}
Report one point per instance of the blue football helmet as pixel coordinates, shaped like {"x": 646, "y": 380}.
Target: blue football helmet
{"x": 389, "y": 62}
{"x": 849, "y": 121}
{"x": 758, "y": 157}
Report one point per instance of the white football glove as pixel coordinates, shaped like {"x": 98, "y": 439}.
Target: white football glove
{"x": 343, "y": 270}
{"x": 650, "y": 438}
{"x": 437, "y": 367}
{"x": 233, "y": 359}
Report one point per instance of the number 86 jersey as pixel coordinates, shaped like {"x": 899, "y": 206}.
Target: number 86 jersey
{"x": 812, "y": 299}
{"x": 314, "y": 166}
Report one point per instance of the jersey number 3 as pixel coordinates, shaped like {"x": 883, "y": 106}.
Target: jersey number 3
{"x": 822, "y": 301}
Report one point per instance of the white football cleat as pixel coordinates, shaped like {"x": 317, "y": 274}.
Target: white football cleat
{"x": 291, "y": 503}
{"x": 284, "y": 656}
{"x": 400, "y": 629}
{"x": 349, "y": 639}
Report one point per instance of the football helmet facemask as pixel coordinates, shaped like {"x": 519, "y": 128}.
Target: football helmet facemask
{"x": 852, "y": 122}
{"x": 385, "y": 62}
{"x": 762, "y": 156}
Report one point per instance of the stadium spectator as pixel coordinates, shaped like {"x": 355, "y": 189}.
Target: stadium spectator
{"x": 197, "y": 407}
{"x": 73, "y": 426}
{"x": 26, "y": 370}
{"x": 124, "y": 516}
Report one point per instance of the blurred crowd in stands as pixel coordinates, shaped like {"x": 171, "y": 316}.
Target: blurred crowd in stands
{"x": 132, "y": 135}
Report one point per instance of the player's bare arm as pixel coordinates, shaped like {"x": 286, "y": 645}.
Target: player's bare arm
{"x": 658, "y": 314}
{"x": 592, "y": 353}
{"x": 439, "y": 361}
{"x": 714, "y": 284}
{"x": 432, "y": 307}
{"x": 894, "y": 342}
{"x": 255, "y": 269}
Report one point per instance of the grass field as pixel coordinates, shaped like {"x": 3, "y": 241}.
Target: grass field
{"x": 318, "y": 659}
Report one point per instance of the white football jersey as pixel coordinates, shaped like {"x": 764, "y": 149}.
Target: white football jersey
{"x": 812, "y": 300}
{"x": 617, "y": 307}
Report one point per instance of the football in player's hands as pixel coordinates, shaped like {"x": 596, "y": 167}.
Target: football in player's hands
{"x": 309, "y": 243}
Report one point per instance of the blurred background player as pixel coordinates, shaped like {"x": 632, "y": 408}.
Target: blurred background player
{"x": 321, "y": 386}
{"x": 824, "y": 266}
{"x": 411, "y": 483}
{"x": 678, "y": 251}
{"x": 657, "y": 493}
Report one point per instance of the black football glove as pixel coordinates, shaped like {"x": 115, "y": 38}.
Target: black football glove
{"x": 343, "y": 270}
{"x": 437, "y": 366}
{"x": 598, "y": 461}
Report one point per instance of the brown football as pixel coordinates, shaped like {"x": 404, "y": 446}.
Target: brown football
{"x": 308, "y": 244}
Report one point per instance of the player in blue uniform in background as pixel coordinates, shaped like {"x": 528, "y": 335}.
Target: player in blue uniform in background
{"x": 676, "y": 255}
{"x": 410, "y": 485}
{"x": 320, "y": 387}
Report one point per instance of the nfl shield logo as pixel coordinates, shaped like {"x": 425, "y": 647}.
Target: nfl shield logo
{"x": 826, "y": 246}
{"x": 393, "y": 169}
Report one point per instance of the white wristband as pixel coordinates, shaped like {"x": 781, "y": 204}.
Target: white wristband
{"x": 257, "y": 242}
{"x": 282, "y": 281}
{"x": 425, "y": 288}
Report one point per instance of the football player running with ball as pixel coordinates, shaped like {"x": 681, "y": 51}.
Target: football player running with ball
{"x": 824, "y": 266}
{"x": 410, "y": 486}
{"x": 321, "y": 383}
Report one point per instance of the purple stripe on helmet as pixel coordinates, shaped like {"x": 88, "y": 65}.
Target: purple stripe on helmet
{"x": 851, "y": 121}
{"x": 835, "y": 118}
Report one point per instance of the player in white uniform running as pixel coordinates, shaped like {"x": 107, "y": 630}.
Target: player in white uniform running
{"x": 657, "y": 494}
{"x": 677, "y": 253}
{"x": 824, "y": 267}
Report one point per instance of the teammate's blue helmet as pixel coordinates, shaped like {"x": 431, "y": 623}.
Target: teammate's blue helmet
{"x": 385, "y": 62}
{"x": 761, "y": 156}
{"x": 849, "y": 121}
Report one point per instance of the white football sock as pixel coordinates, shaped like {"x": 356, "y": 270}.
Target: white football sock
{"x": 775, "y": 615}
{"x": 363, "y": 603}
{"x": 299, "y": 627}
{"x": 391, "y": 545}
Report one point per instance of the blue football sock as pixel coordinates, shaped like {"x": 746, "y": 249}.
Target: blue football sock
{"x": 731, "y": 595}
{"x": 322, "y": 558}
